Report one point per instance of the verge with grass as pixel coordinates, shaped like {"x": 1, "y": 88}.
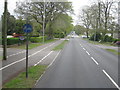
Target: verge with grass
{"x": 113, "y": 51}
{"x": 1, "y": 57}
{"x": 60, "y": 46}
{"x": 21, "y": 82}
{"x": 33, "y": 45}
{"x": 98, "y": 43}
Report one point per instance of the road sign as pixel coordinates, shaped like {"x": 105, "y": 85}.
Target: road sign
{"x": 27, "y": 28}
{"x": 22, "y": 38}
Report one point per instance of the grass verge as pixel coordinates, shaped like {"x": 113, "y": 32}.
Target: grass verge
{"x": 99, "y": 43}
{"x": 113, "y": 51}
{"x": 60, "y": 46}
{"x": 21, "y": 82}
{"x": 1, "y": 57}
{"x": 33, "y": 45}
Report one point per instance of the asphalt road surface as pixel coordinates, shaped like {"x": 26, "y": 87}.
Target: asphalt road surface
{"x": 81, "y": 65}
{"x": 16, "y": 61}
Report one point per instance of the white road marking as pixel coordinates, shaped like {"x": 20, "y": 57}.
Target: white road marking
{"x": 43, "y": 58}
{"x": 47, "y": 67}
{"x": 81, "y": 45}
{"x": 111, "y": 79}
{"x": 54, "y": 59}
{"x": 84, "y": 49}
{"x": 16, "y": 54}
{"x": 25, "y": 58}
{"x": 94, "y": 60}
{"x": 87, "y": 52}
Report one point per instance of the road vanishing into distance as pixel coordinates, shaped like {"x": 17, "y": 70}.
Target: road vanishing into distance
{"x": 81, "y": 65}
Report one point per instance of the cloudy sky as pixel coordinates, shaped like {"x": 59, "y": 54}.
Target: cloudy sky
{"x": 77, "y": 5}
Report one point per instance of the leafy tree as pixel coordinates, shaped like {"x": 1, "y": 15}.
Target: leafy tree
{"x": 35, "y": 10}
{"x": 19, "y": 26}
{"x": 79, "y": 29}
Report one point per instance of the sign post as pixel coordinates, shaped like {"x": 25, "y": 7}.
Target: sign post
{"x": 27, "y": 28}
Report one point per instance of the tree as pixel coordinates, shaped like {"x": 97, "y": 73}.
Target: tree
{"x": 85, "y": 17}
{"x": 79, "y": 29}
{"x": 35, "y": 10}
{"x": 19, "y": 26}
{"x": 11, "y": 24}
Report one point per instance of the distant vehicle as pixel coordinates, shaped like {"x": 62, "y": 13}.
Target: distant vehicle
{"x": 9, "y": 36}
{"x": 17, "y": 35}
{"x": 118, "y": 43}
{"x": 83, "y": 36}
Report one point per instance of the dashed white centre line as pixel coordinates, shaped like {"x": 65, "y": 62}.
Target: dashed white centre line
{"x": 84, "y": 49}
{"x": 87, "y": 52}
{"x": 94, "y": 60}
{"x": 111, "y": 79}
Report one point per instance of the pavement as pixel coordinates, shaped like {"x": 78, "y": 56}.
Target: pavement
{"x": 81, "y": 65}
{"x": 109, "y": 47}
{"x": 16, "y": 61}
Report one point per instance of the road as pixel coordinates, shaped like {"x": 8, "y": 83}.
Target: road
{"x": 16, "y": 60}
{"x": 81, "y": 65}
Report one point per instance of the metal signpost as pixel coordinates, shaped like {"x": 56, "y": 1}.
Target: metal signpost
{"x": 27, "y": 28}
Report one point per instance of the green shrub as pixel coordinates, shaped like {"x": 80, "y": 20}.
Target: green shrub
{"x": 11, "y": 41}
{"x": 108, "y": 39}
{"x": 97, "y": 38}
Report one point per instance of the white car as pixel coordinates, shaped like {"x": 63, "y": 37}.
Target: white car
{"x": 84, "y": 36}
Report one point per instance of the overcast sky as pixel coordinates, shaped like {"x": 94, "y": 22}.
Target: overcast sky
{"x": 77, "y": 6}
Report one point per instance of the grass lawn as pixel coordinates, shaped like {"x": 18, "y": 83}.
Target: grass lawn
{"x": 60, "y": 46}
{"x": 21, "y": 82}
{"x": 99, "y": 43}
{"x": 113, "y": 51}
{"x": 1, "y": 57}
{"x": 33, "y": 45}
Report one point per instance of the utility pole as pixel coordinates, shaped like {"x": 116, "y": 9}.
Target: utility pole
{"x": 119, "y": 19}
{"x": 4, "y": 33}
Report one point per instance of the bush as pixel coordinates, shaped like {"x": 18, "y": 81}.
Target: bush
{"x": 108, "y": 39}
{"x": 37, "y": 39}
{"x": 11, "y": 41}
{"x": 98, "y": 37}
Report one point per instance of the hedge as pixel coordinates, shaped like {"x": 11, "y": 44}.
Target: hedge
{"x": 37, "y": 39}
{"x": 11, "y": 41}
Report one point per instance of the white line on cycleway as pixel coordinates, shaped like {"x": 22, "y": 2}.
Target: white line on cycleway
{"x": 111, "y": 79}
{"x": 48, "y": 67}
{"x": 16, "y": 54}
{"x": 54, "y": 59}
{"x": 43, "y": 58}
{"x": 25, "y": 58}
